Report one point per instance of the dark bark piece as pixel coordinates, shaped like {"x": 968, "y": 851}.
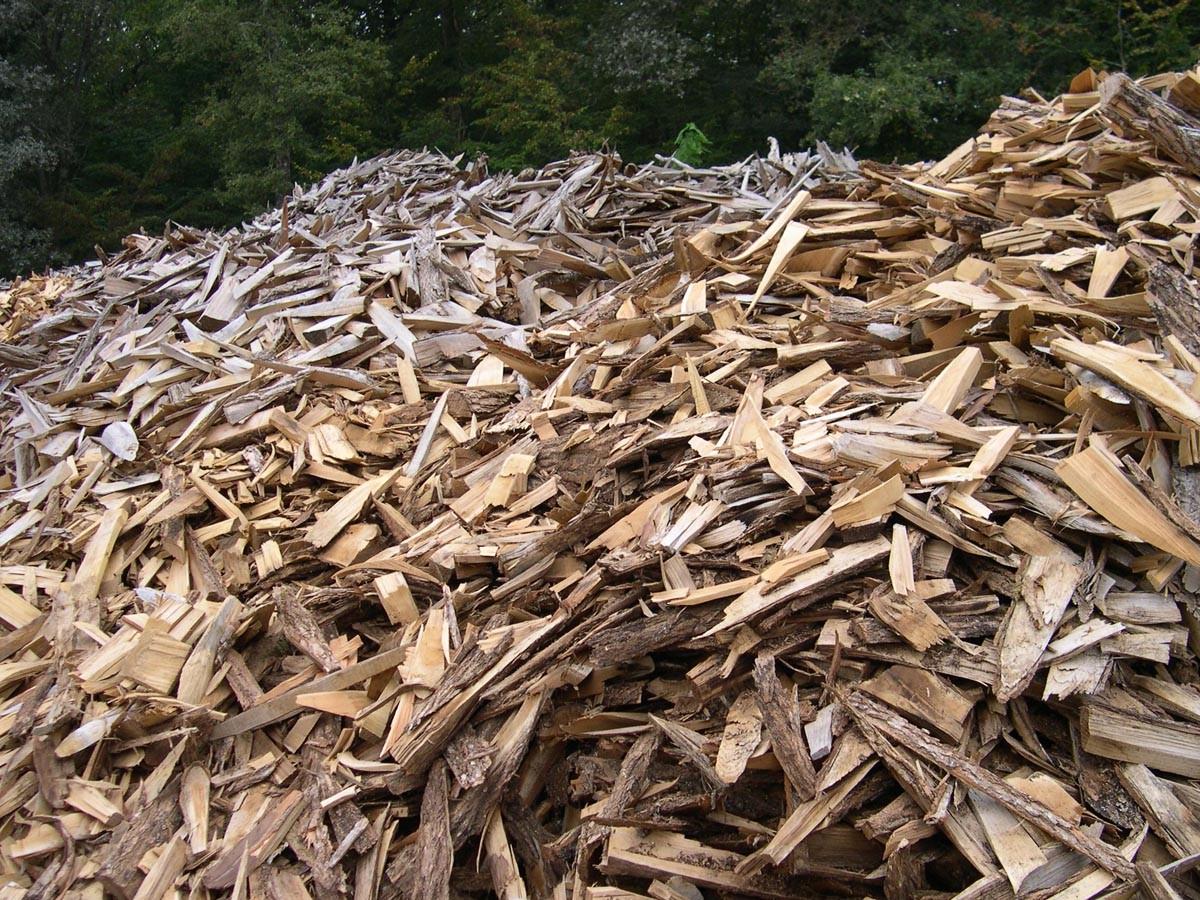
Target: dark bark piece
{"x": 211, "y": 582}
{"x": 301, "y": 629}
{"x": 435, "y": 847}
{"x": 878, "y": 825}
{"x": 401, "y": 872}
{"x": 512, "y": 742}
{"x": 870, "y": 714}
{"x": 541, "y": 865}
{"x": 1175, "y": 303}
{"x": 631, "y": 780}
{"x": 52, "y": 772}
{"x": 309, "y": 841}
{"x": 1101, "y": 791}
{"x": 352, "y": 828}
{"x": 904, "y": 875}
{"x": 450, "y": 705}
{"x": 469, "y": 664}
{"x": 469, "y": 757}
{"x": 688, "y": 743}
{"x": 150, "y": 826}
{"x": 625, "y": 642}
{"x": 781, "y": 719}
{"x": 634, "y": 774}
{"x": 948, "y": 258}
{"x": 241, "y": 680}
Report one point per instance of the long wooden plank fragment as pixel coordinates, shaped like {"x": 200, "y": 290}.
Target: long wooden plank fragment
{"x": 1174, "y": 821}
{"x": 1160, "y": 744}
{"x": 1131, "y": 373}
{"x": 778, "y": 224}
{"x": 1096, "y": 479}
{"x": 842, "y": 562}
{"x": 947, "y": 391}
{"x": 793, "y": 235}
{"x": 1017, "y": 851}
{"x": 876, "y": 715}
{"x": 278, "y": 708}
{"x": 86, "y": 584}
{"x": 198, "y": 669}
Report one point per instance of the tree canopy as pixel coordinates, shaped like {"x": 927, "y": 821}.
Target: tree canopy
{"x": 117, "y": 115}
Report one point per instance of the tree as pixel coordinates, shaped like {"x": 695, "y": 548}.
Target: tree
{"x": 22, "y": 152}
{"x": 529, "y": 103}
{"x": 906, "y": 80}
{"x": 659, "y": 64}
{"x": 48, "y": 51}
{"x": 269, "y": 93}
{"x": 207, "y": 111}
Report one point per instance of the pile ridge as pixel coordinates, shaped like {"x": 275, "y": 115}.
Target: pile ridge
{"x": 798, "y": 528}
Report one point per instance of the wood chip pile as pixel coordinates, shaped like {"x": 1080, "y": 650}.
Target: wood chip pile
{"x": 801, "y": 528}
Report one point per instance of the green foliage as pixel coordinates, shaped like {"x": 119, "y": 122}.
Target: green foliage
{"x": 118, "y": 114}
{"x": 690, "y": 145}
{"x": 22, "y": 244}
{"x": 527, "y": 103}
{"x": 47, "y": 50}
{"x": 905, "y": 81}
{"x": 271, "y": 93}
{"x": 1155, "y": 36}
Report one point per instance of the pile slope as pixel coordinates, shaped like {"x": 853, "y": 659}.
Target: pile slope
{"x": 798, "y": 528}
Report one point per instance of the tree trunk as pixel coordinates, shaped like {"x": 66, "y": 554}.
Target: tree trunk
{"x": 1141, "y": 113}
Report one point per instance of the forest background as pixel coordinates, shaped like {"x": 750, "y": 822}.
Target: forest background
{"x": 116, "y": 115}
